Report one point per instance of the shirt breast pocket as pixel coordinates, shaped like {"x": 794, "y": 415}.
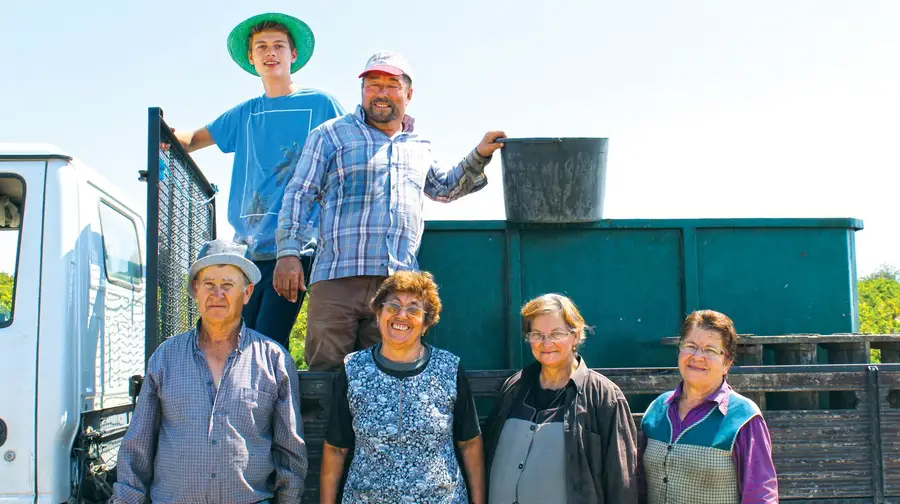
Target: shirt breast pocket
{"x": 256, "y": 407}
{"x": 417, "y": 166}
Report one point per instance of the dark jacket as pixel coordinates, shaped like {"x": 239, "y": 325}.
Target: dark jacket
{"x": 600, "y": 435}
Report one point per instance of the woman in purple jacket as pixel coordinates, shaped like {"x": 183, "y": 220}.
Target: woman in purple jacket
{"x": 703, "y": 442}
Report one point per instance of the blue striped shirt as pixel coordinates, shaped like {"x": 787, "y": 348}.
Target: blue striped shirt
{"x": 191, "y": 443}
{"x": 372, "y": 190}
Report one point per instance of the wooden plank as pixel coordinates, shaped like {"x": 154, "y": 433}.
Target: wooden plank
{"x": 890, "y": 432}
{"x": 890, "y": 351}
{"x": 654, "y": 381}
{"x": 773, "y": 382}
{"x": 855, "y": 352}
{"x": 802, "y": 354}
{"x": 812, "y": 338}
{"x": 888, "y": 379}
{"x": 820, "y": 455}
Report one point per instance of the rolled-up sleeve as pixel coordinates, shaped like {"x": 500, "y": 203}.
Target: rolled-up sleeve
{"x": 288, "y": 446}
{"x": 752, "y": 457}
{"x": 464, "y": 178}
{"x": 134, "y": 468}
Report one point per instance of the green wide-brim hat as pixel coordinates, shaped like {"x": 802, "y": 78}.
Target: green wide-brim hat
{"x": 239, "y": 39}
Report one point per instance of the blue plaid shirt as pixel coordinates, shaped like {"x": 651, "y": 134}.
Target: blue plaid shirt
{"x": 189, "y": 443}
{"x": 372, "y": 190}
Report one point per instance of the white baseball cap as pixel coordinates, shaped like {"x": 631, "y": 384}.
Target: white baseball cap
{"x": 388, "y": 62}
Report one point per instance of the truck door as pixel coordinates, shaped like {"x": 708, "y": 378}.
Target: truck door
{"x": 21, "y": 231}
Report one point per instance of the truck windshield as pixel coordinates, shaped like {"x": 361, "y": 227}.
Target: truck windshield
{"x": 12, "y": 194}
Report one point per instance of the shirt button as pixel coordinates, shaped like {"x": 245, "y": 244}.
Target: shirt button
{"x": 213, "y": 475}
{"x": 521, "y": 466}
{"x": 669, "y": 447}
{"x": 213, "y": 441}
{"x": 665, "y": 480}
{"x": 533, "y": 427}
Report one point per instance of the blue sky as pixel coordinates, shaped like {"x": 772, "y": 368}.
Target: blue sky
{"x": 713, "y": 108}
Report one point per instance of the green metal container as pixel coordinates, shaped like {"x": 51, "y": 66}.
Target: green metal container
{"x": 635, "y": 280}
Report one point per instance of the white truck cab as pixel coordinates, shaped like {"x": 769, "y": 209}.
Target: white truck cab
{"x": 72, "y": 284}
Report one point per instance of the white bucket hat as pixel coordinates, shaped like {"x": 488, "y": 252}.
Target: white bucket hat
{"x": 222, "y": 252}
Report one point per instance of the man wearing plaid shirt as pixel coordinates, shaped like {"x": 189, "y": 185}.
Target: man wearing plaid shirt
{"x": 371, "y": 173}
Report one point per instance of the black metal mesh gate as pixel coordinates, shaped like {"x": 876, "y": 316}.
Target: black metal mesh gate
{"x": 181, "y": 216}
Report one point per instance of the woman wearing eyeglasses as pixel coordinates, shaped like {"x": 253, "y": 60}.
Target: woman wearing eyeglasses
{"x": 403, "y": 406}
{"x": 561, "y": 432}
{"x": 703, "y": 442}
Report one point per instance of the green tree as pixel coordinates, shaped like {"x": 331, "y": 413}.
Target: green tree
{"x": 297, "y": 340}
{"x": 6, "y": 288}
{"x": 879, "y": 303}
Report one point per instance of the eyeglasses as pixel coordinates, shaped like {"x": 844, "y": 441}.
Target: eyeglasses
{"x": 555, "y": 336}
{"x": 708, "y": 352}
{"x": 393, "y": 308}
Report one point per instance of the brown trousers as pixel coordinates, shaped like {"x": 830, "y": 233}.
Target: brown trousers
{"x": 339, "y": 320}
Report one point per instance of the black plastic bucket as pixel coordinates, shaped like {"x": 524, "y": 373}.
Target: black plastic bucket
{"x": 554, "y": 180}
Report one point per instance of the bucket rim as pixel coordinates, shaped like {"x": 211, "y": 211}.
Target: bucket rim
{"x": 547, "y": 139}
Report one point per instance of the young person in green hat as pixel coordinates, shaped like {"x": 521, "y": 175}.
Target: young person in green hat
{"x": 266, "y": 135}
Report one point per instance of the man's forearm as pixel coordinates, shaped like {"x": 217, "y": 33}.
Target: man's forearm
{"x": 291, "y": 223}
{"x": 300, "y": 195}
{"x": 465, "y": 178}
{"x": 473, "y": 463}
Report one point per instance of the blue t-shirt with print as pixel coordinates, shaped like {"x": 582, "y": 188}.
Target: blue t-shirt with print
{"x": 266, "y": 136}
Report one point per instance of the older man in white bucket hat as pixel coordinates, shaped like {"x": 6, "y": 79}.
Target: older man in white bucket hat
{"x": 218, "y": 416}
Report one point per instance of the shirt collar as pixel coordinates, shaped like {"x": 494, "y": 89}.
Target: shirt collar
{"x": 243, "y": 340}
{"x": 408, "y": 122}
{"x": 577, "y": 378}
{"x": 719, "y": 396}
